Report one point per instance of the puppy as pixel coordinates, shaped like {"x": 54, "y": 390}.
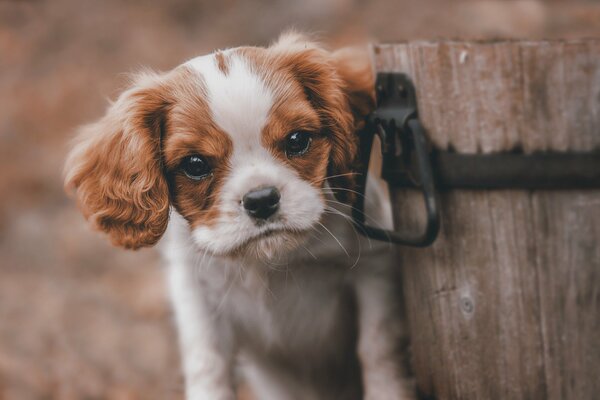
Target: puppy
{"x": 243, "y": 160}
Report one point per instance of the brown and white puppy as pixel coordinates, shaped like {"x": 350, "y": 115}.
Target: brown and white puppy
{"x": 235, "y": 157}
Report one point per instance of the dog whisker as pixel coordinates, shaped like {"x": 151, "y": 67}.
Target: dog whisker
{"x": 334, "y": 176}
{"x": 376, "y": 223}
{"x": 348, "y": 220}
{"x": 309, "y": 252}
{"x": 334, "y": 238}
{"x": 334, "y": 188}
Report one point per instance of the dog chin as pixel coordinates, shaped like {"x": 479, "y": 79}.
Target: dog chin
{"x": 265, "y": 246}
{"x": 269, "y": 245}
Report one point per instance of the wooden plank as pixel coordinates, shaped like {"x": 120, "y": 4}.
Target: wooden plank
{"x": 506, "y": 303}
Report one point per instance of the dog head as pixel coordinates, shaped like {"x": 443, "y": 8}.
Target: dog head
{"x": 240, "y": 142}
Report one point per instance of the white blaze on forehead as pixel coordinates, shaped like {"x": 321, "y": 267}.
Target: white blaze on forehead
{"x": 239, "y": 100}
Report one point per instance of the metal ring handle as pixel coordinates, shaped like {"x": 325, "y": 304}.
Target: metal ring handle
{"x": 424, "y": 176}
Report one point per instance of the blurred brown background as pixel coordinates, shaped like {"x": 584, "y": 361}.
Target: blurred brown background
{"x": 79, "y": 319}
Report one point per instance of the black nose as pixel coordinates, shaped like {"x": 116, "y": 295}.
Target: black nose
{"x": 261, "y": 203}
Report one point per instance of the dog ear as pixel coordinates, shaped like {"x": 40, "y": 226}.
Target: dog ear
{"x": 340, "y": 86}
{"x": 354, "y": 68}
{"x": 115, "y": 167}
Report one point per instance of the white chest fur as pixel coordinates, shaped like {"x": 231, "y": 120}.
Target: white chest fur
{"x": 303, "y": 326}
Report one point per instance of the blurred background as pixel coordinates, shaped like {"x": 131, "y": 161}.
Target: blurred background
{"x": 78, "y": 318}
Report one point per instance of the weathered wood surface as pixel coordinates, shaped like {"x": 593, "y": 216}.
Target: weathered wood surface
{"x": 506, "y": 303}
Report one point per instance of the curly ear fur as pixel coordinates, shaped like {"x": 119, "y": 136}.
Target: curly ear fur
{"x": 340, "y": 86}
{"x": 115, "y": 167}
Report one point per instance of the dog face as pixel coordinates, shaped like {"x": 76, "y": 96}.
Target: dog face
{"x": 239, "y": 142}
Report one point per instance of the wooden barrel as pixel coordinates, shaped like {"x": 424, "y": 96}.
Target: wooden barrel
{"x": 506, "y": 303}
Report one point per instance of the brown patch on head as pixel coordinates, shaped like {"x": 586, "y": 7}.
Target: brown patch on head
{"x": 305, "y": 77}
{"x": 222, "y": 62}
{"x": 192, "y": 131}
{"x": 292, "y": 112}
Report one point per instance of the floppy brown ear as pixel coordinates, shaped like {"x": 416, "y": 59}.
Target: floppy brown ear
{"x": 355, "y": 68}
{"x": 115, "y": 167}
{"x": 340, "y": 87}
{"x": 357, "y": 81}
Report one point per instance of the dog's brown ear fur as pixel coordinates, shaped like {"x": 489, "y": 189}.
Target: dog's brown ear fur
{"x": 340, "y": 85}
{"x": 355, "y": 68}
{"x": 115, "y": 167}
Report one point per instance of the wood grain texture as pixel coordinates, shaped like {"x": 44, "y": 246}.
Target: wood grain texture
{"x": 506, "y": 303}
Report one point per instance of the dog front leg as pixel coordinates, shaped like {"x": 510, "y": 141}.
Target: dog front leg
{"x": 381, "y": 337}
{"x": 206, "y": 347}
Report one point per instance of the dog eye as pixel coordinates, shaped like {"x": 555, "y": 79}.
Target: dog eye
{"x": 195, "y": 167}
{"x": 297, "y": 143}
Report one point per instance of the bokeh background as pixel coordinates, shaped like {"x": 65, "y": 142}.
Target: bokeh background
{"x": 78, "y": 318}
